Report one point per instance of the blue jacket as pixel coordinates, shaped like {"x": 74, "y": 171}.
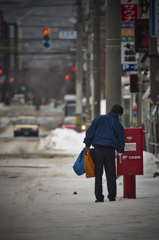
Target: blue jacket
{"x": 106, "y": 130}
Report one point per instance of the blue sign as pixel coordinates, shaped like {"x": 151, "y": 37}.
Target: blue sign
{"x": 68, "y": 35}
{"x": 127, "y": 25}
{"x": 129, "y": 67}
{"x": 134, "y": 113}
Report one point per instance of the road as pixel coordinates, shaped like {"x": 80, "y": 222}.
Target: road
{"x": 31, "y": 179}
{"x": 48, "y": 117}
{"x": 31, "y": 196}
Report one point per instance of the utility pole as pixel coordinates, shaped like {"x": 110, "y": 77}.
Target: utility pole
{"x": 79, "y": 68}
{"x": 95, "y": 56}
{"x": 139, "y": 99}
{"x": 88, "y": 66}
{"x": 87, "y": 119}
{"x": 113, "y": 54}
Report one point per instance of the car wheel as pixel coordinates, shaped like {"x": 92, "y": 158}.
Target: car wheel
{"x": 15, "y": 135}
{"x": 37, "y": 134}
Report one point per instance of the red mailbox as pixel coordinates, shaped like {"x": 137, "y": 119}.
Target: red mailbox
{"x": 131, "y": 161}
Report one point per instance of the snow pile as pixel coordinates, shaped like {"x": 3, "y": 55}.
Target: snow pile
{"x": 71, "y": 141}
{"x": 4, "y": 121}
{"x": 63, "y": 139}
{"x": 150, "y": 163}
{"x": 1, "y": 105}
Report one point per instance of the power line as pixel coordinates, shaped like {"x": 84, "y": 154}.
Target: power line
{"x": 37, "y": 39}
{"x": 33, "y": 26}
{"x": 47, "y": 16}
{"x": 41, "y": 53}
{"x": 43, "y": 6}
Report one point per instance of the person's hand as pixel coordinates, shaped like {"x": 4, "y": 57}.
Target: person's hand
{"x": 119, "y": 154}
{"x": 87, "y": 146}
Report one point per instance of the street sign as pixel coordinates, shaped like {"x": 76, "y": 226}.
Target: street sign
{"x": 67, "y": 34}
{"x": 128, "y": 57}
{"x": 134, "y": 113}
{"x": 141, "y": 35}
{"x": 129, "y": 12}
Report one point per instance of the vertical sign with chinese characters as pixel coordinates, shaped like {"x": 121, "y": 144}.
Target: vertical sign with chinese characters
{"x": 129, "y": 12}
{"x": 141, "y": 35}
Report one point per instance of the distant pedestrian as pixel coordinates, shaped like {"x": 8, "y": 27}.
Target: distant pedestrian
{"x": 106, "y": 134}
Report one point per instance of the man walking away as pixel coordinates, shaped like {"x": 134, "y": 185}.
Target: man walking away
{"x": 106, "y": 134}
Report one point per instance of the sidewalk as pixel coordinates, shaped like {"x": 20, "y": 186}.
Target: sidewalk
{"x": 39, "y": 202}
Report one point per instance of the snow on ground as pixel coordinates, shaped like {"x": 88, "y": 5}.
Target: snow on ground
{"x": 42, "y": 204}
{"x": 133, "y": 219}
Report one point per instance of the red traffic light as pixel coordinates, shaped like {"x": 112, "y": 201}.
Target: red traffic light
{"x": 73, "y": 69}
{"x": 0, "y": 71}
{"x": 67, "y": 77}
{"x": 46, "y": 31}
{"x": 12, "y": 80}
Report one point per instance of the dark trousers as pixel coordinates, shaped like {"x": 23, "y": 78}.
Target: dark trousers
{"x": 105, "y": 157}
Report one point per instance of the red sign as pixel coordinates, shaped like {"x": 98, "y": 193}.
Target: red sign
{"x": 129, "y": 12}
{"x": 141, "y": 35}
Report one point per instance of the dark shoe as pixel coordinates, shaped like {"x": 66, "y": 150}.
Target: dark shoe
{"x": 112, "y": 200}
{"x": 99, "y": 201}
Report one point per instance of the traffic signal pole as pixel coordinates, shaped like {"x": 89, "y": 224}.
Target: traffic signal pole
{"x": 113, "y": 54}
{"x": 95, "y": 57}
{"x": 79, "y": 70}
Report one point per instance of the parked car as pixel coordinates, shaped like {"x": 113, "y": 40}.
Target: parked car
{"x": 70, "y": 109}
{"x": 70, "y": 123}
{"x": 26, "y": 126}
{"x": 18, "y": 100}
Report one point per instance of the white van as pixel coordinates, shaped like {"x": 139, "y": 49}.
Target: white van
{"x": 18, "y": 100}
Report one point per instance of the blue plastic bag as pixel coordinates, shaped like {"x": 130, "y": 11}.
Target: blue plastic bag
{"x": 78, "y": 166}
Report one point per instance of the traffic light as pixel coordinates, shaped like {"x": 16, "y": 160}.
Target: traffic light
{"x": 67, "y": 77}
{"x": 23, "y": 88}
{"x": 73, "y": 69}
{"x": 46, "y": 38}
{"x": 11, "y": 80}
{"x": 0, "y": 71}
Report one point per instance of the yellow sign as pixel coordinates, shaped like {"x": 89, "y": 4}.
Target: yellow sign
{"x": 127, "y": 32}
{"x": 78, "y": 119}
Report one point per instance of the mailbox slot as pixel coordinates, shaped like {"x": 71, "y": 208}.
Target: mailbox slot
{"x": 130, "y": 147}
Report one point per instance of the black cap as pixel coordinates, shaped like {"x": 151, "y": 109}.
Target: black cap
{"x": 117, "y": 109}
